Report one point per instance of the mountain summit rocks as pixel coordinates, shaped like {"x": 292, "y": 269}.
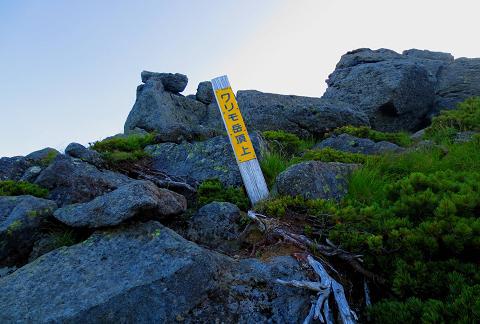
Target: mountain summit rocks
{"x": 402, "y": 91}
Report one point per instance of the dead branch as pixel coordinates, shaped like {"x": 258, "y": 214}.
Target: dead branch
{"x": 271, "y": 226}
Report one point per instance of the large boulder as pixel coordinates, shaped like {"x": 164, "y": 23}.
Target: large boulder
{"x": 352, "y": 144}
{"x": 172, "y": 116}
{"x": 149, "y": 274}
{"x": 74, "y": 181}
{"x": 205, "y": 92}
{"x": 216, "y": 225}
{"x": 130, "y": 200}
{"x": 457, "y": 82}
{"x": 171, "y": 82}
{"x": 198, "y": 161}
{"x": 20, "y": 225}
{"x": 304, "y": 116}
{"x": 395, "y": 92}
{"x": 314, "y": 180}
{"x": 43, "y": 157}
{"x": 79, "y": 151}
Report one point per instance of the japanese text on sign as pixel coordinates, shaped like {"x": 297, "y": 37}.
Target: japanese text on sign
{"x": 242, "y": 145}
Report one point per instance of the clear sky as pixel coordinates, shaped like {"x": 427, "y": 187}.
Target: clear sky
{"x": 69, "y": 69}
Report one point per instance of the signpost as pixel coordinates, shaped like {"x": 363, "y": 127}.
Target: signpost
{"x": 242, "y": 145}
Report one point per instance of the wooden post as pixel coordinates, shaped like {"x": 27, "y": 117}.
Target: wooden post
{"x": 250, "y": 170}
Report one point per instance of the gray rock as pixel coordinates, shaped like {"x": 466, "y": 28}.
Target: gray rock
{"x": 205, "y": 92}
{"x": 314, "y": 180}
{"x": 43, "y": 245}
{"x": 79, "y": 151}
{"x": 13, "y": 168}
{"x": 103, "y": 279}
{"x": 349, "y": 143}
{"x": 133, "y": 199}
{"x": 197, "y": 161}
{"x": 418, "y": 135}
{"x": 216, "y": 226}
{"x": 462, "y": 137}
{"x": 5, "y": 271}
{"x": 74, "y": 181}
{"x": 171, "y": 82}
{"x": 304, "y": 116}
{"x": 43, "y": 157}
{"x": 20, "y": 224}
{"x": 173, "y": 117}
{"x": 395, "y": 92}
{"x": 457, "y": 82}
{"x": 31, "y": 174}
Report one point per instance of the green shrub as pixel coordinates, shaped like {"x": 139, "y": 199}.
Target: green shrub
{"x": 213, "y": 190}
{"x": 272, "y": 164}
{"x": 286, "y": 144}
{"x": 48, "y": 159}
{"x": 465, "y": 118}
{"x": 415, "y": 219}
{"x": 401, "y": 138}
{"x": 124, "y": 149}
{"x": 18, "y": 188}
{"x": 331, "y": 155}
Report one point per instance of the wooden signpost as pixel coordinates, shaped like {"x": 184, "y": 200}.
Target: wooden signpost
{"x": 242, "y": 145}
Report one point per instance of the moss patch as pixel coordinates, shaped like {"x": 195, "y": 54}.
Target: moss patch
{"x": 18, "y": 188}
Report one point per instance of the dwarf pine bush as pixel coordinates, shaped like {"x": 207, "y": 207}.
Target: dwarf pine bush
{"x": 416, "y": 219}
{"x": 400, "y": 138}
{"x": 213, "y": 190}
{"x": 18, "y": 188}
{"x": 124, "y": 149}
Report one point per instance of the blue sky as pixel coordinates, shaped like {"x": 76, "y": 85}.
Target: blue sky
{"x": 69, "y": 69}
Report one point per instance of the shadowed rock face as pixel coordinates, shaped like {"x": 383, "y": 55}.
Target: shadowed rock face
{"x": 128, "y": 201}
{"x": 314, "y": 180}
{"x": 154, "y": 275}
{"x": 402, "y": 91}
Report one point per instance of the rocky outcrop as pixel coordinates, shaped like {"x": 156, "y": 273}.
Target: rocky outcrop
{"x": 74, "y": 181}
{"x": 392, "y": 90}
{"x": 198, "y": 161}
{"x": 402, "y": 91}
{"x": 130, "y": 200}
{"x": 172, "y": 116}
{"x": 147, "y": 273}
{"x": 314, "y": 180}
{"x": 26, "y": 168}
{"x": 21, "y": 219}
{"x": 304, "y": 116}
{"x": 215, "y": 225}
{"x": 79, "y": 151}
{"x": 352, "y": 144}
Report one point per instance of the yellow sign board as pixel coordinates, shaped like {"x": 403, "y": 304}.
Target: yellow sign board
{"x": 237, "y": 131}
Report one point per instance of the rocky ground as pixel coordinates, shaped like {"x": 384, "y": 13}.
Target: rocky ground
{"x": 153, "y": 225}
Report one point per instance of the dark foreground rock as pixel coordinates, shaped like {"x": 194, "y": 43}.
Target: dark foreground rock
{"x": 130, "y": 200}
{"x": 314, "y": 180}
{"x": 349, "y": 143}
{"x": 198, "y": 161}
{"x": 216, "y": 226}
{"x": 304, "y": 116}
{"x": 149, "y": 274}
{"x": 21, "y": 218}
{"x": 74, "y": 181}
